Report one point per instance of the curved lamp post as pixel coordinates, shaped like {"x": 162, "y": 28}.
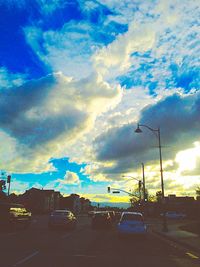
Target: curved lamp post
{"x": 157, "y": 133}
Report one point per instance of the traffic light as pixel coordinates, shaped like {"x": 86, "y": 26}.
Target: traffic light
{"x": 108, "y": 189}
{"x": 8, "y": 179}
{"x": 2, "y": 185}
{"x": 139, "y": 184}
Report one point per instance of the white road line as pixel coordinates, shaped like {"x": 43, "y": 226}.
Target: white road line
{"x": 176, "y": 245}
{"x": 191, "y": 255}
{"x": 26, "y": 259}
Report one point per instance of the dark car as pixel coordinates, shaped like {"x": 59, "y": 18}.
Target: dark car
{"x": 101, "y": 219}
{"x": 174, "y": 215}
{"x": 62, "y": 219}
{"x": 12, "y": 215}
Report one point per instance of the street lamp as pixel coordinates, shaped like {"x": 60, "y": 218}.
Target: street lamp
{"x": 157, "y": 133}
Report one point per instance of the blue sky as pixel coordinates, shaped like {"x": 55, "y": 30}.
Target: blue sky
{"x": 77, "y": 76}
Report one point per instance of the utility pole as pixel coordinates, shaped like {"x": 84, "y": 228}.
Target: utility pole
{"x": 139, "y": 189}
{"x": 9, "y": 181}
{"x": 143, "y": 181}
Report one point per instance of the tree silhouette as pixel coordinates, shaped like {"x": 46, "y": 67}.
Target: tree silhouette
{"x": 159, "y": 196}
{"x": 198, "y": 191}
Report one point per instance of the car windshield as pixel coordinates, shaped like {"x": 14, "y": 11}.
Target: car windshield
{"x": 132, "y": 217}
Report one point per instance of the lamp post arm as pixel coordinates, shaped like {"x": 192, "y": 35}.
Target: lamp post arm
{"x": 146, "y": 126}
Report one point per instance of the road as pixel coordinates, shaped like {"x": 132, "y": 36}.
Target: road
{"x": 40, "y": 247}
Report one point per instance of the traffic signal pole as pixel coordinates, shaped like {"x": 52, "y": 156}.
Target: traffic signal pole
{"x": 9, "y": 181}
{"x": 117, "y": 190}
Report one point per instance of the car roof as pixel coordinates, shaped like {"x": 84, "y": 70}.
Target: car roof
{"x": 129, "y": 212}
{"x": 61, "y": 211}
{"x": 103, "y": 211}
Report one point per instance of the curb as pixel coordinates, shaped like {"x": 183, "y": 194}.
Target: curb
{"x": 181, "y": 243}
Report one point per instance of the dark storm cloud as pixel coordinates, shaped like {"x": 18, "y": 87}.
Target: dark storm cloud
{"x": 26, "y": 115}
{"x": 178, "y": 119}
{"x": 15, "y": 101}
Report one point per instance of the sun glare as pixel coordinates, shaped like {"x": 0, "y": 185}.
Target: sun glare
{"x": 186, "y": 159}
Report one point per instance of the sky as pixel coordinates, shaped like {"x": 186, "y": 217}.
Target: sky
{"x": 76, "y": 76}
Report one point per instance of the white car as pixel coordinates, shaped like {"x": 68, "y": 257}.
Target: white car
{"x": 132, "y": 223}
{"x": 62, "y": 218}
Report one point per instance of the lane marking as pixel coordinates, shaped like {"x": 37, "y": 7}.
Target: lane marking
{"x": 191, "y": 255}
{"x": 179, "y": 247}
{"x": 26, "y": 259}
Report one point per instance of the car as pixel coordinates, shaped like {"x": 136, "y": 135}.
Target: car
{"x": 91, "y": 213}
{"x": 132, "y": 223}
{"x": 112, "y": 215}
{"x": 62, "y": 219}
{"x": 101, "y": 219}
{"x": 118, "y": 215}
{"x": 14, "y": 215}
{"x": 174, "y": 215}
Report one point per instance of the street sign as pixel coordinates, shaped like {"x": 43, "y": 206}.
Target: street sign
{"x": 116, "y": 192}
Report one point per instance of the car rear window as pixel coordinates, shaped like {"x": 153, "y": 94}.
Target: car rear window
{"x": 132, "y": 217}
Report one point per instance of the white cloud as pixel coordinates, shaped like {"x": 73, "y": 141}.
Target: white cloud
{"x": 115, "y": 59}
{"x": 70, "y": 178}
{"x": 8, "y": 79}
{"x": 193, "y": 154}
{"x": 67, "y": 50}
{"x": 19, "y": 187}
{"x": 45, "y": 120}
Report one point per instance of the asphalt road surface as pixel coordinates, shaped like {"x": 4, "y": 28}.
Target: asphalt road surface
{"x": 40, "y": 247}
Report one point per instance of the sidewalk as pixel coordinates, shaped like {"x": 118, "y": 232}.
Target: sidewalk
{"x": 184, "y": 238}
